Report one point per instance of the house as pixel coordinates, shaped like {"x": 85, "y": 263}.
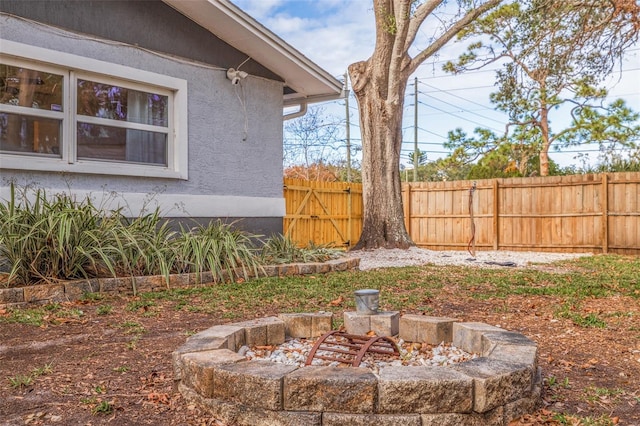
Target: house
{"x": 142, "y": 104}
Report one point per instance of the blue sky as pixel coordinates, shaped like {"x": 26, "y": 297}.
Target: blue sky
{"x": 336, "y": 33}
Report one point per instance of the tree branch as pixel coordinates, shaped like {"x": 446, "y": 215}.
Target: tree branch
{"x": 450, "y": 33}
{"x": 401, "y": 9}
{"x": 424, "y": 10}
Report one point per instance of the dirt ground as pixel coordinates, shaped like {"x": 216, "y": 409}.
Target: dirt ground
{"x": 115, "y": 367}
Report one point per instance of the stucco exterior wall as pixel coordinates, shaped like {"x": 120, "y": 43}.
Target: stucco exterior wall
{"x": 228, "y": 176}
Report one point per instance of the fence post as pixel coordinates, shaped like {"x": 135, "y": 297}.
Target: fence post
{"x": 407, "y": 208}
{"x": 496, "y": 215}
{"x": 605, "y": 213}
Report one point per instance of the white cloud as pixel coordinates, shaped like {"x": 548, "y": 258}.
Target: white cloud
{"x": 259, "y": 9}
{"x": 285, "y": 25}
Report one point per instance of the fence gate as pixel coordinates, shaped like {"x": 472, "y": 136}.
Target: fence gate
{"x": 322, "y": 212}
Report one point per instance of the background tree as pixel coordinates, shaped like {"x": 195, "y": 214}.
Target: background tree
{"x": 555, "y": 52}
{"x": 421, "y": 157}
{"x": 440, "y": 170}
{"x": 517, "y": 156}
{"x": 348, "y": 174}
{"x": 316, "y": 172}
{"x": 313, "y": 139}
{"x": 417, "y": 158}
{"x": 379, "y": 85}
{"x": 614, "y": 162}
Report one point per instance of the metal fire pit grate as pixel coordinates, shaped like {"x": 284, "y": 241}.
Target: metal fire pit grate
{"x": 350, "y": 348}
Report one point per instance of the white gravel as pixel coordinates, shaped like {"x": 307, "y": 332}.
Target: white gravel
{"x": 387, "y": 258}
{"x": 296, "y": 351}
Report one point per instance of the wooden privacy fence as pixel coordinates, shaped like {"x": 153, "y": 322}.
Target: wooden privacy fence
{"x": 580, "y": 213}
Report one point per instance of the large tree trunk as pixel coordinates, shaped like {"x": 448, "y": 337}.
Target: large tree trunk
{"x": 381, "y": 129}
{"x": 379, "y": 85}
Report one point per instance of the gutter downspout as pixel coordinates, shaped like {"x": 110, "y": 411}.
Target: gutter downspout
{"x": 302, "y": 111}
{"x": 310, "y": 99}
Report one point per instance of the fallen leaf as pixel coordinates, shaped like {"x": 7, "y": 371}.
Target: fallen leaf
{"x": 566, "y": 363}
{"x": 265, "y": 348}
{"x": 337, "y": 302}
{"x": 161, "y": 398}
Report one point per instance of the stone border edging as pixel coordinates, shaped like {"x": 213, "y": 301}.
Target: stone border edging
{"x": 500, "y": 386}
{"x": 75, "y": 290}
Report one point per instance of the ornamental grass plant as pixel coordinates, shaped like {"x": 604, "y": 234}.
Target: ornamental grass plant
{"x": 46, "y": 239}
{"x": 220, "y": 248}
{"x": 281, "y": 249}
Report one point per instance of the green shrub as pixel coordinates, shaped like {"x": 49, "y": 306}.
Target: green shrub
{"x": 281, "y": 249}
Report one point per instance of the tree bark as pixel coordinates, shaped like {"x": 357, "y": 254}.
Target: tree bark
{"x": 546, "y": 144}
{"x": 544, "y": 130}
{"x": 381, "y": 128}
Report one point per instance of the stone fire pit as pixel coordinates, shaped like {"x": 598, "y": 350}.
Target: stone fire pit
{"x": 499, "y": 386}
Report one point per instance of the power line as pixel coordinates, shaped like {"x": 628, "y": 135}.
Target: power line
{"x": 442, "y": 61}
{"x": 424, "y": 130}
{"x": 433, "y": 133}
{"x": 432, "y": 114}
{"x": 459, "y": 88}
{"x": 428, "y": 152}
{"x": 452, "y": 95}
{"x": 461, "y": 110}
{"x": 454, "y": 75}
{"x": 465, "y": 110}
{"x": 482, "y": 71}
{"x": 461, "y": 118}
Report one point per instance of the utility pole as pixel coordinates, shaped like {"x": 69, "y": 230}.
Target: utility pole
{"x": 348, "y": 133}
{"x": 415, "y": 130}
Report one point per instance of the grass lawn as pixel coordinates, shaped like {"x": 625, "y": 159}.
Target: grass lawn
{"x": 108, "y": 358}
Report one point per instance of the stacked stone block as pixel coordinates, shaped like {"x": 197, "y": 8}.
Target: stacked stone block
{"x": 75, "y": 290}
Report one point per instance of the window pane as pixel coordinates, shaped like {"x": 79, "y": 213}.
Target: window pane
{"x": 30, "y": 88}
{"x": 96, "y": 142}
{"x": 119, "y": 103}
{"x": 24, "y": 134}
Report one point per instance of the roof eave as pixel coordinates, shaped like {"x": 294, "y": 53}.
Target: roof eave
{"x": 229, "y": 23}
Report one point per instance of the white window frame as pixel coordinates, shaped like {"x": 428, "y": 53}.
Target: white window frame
{"x": 73, "y": 67}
